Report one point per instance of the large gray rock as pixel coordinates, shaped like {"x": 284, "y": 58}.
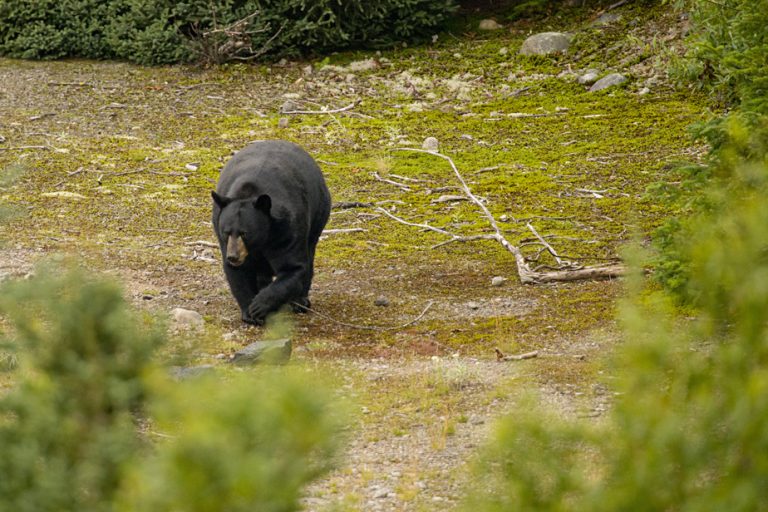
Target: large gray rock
{"x": 546, "y": 43}
{"x": 608, "y": 81}
{"x": 270, "y": 352}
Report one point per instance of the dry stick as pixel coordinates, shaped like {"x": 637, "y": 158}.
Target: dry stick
{"x": 23, "y": 148}
{"x": 545, "y": 244}
{"x": 395, "y": 183}
{"x": 343, "y": 230}
{"x": 335, "y": 111}
{"x": 204, "y": 244}
{"x": 528, "y": 355}
{"x": 367, "y": 327}
{"x": 526, "y": 275}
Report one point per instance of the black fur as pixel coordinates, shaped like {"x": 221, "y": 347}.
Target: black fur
{"x": 274, "y": 196}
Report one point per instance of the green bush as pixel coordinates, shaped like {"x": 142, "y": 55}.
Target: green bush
{"x": 67, "y": 429}
{"x": 91, "y": 425}
{"x": 728, "y": 58}
{"x": 161, "y": 31}
{"x": 689, "y": 431}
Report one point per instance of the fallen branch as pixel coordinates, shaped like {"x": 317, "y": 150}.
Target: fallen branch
{"x": 406, "y": 188}
{"x": 519, "y": 357}
{"x": 343, "y": 230}
{"x": 526, "y": 275}
{"x": 323, "y": 111}
{"x": 204, "y": 244}
{"x": 545, "y": 244}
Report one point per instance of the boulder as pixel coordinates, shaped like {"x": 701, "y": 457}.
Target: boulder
{"x": 608, "y": 81}
{"x": 270, "y": 352}
{"x": 546, "y": 43}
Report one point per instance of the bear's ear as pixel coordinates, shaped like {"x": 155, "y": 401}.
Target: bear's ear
{"x": 220, "y": 201}
{"x": 263, "y": 203}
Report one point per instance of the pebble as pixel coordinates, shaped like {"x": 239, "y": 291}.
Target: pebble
{"x": 489, "y": 24}
{"x": 186, "y": 319}
{"x": 430, "y": 144}
{"x": 381, "y": 301}
{"x": 283, "y": 122}
{"x": 498, "y": 281}
{"x": 588, "y": 78}
{"x": 608, "y": 81}
{"x": 473, "y": 305}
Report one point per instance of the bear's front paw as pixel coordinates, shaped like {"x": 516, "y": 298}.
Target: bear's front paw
{"x": 246, "y": 317}
{"x": 257, "y": 312}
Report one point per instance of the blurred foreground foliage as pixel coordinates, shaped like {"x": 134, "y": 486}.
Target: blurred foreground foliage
{"x": 689, "y": 431}
{"x": 727, "y": 57}
{"x": 91, "y": 424}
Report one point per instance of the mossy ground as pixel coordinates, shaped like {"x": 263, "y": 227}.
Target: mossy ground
{"x": 142, "y": 148}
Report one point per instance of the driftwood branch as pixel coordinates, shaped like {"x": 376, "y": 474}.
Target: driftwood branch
{"x": 525, "y": 273}
{"x": 323, "y": 111}
{"x": 500, "y": 356}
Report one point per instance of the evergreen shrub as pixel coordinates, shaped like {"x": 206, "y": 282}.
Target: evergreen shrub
{"x": 91, "y": 424}
{"x": 162, "y": 31}
{"x": 689, "y": 430}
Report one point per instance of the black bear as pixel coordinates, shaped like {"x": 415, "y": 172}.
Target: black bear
{"x": 269, "y": 208}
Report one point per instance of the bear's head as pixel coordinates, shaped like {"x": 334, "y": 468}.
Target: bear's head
{"x": 243, "y": 223}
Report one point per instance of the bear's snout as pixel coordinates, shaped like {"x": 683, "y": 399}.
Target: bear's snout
{"x": 236, "y": 251}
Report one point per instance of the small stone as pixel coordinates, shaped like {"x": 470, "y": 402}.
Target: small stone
{"x": 498, "y": 281}
{"x": 503, "y": 50}
{"x": 186, "y": 319}
{"x": 308, "y": 70}
{"x": 288, "y": 106}
{"x": 606, "y": 19}
{"x": 644, "y": 91}
{"x": 381, "y": 301}
{"x": 608, "y": 81}
{"x": 473, "y": 305}
{"x": 188, "y": 372}
{"x": 283, "y": 122}
{"x": 489, "y": 24}
{"x": 381, "y": 493}
{"x": 546, "y": 43}
{"x": 430, "y": 144}
{"x": 193, "y": 166}
{"x": 273, "y": 352}
{"x": 588, "y": 78}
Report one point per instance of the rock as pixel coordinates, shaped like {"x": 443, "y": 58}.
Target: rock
{"x": 503, "y": 50}
{"x": 546, "y": 43}
{"x": 381, "y": 301}
{"x": 271, "y": 352}
{"x": 473, "y": 305}
{"x": 430, "y": 144}
{"x": 608, "y": 81}
{"x": 283, "y": 122}
{"x": 589, "y": 77}
{"x": 186, "y": 319}
{"x": 189, "y": 372}
{"x": 606, "y": 19}
{"x": 489, "y": 24}
{"x": 363, "y": 65}
{"x": 288, "y": 106}
{"x": 447, "y": 198}
{"x": 498, "y": 281}
{"x": 643, "y": 91}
